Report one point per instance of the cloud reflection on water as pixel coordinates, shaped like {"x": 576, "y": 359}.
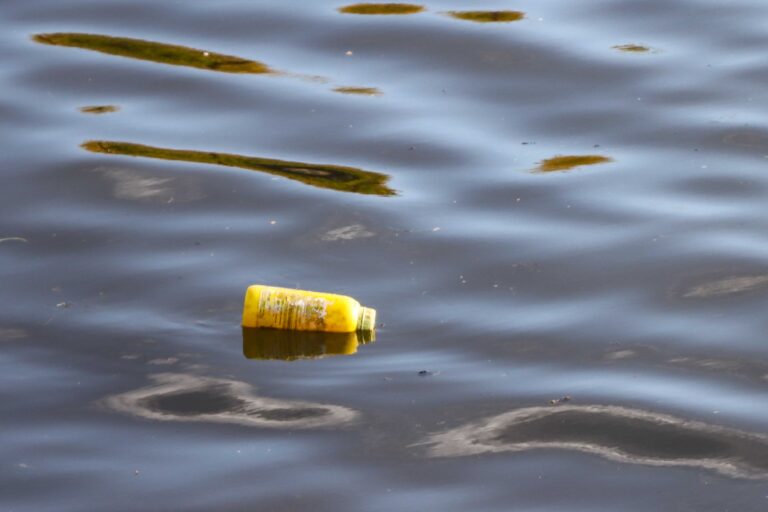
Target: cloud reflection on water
{"x": 185, "y": 397}
{"x": 617, "y": 433}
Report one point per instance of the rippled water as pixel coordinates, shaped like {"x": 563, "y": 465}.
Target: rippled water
{"x": 557, "y": 209}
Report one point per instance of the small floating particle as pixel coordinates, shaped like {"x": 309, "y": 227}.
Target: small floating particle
{"x": 349, "y": 53}
{"x": 560, "y": 400}
{"x": 63, "y": 305}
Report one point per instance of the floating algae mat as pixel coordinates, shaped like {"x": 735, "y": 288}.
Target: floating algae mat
{"x": 568, "y": 162}
{"x": 154, "y": 52}
{"x": 335, "y": 177}
{"x": 488, "y": 16}
{"x": 373, "y": 9}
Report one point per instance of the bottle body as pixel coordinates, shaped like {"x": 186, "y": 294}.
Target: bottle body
{"x": 301, "y": 310}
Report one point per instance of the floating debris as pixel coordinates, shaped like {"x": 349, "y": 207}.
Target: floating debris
{"x": 12, "y": 334}
{"x": 335, "y": 177}
{"x": 726, "y": 286}
{"x": 273, "y": 344}
{"x": 568, "y": 162}
{"x": 748, "y": 139}
{"x": 134, "y": 185}
{"x": 164, "y": 361}
{"x": 362, "y": 91}
{"x": 184, "y": 397}
{"x": 351, "y": 232}
{"x": 381, "y": 9}
{"x": 272, "y": 307}
{"x": 621, "y": 434}
{"x": 488, "y": 16}
{"x": 632, "y": 48}
{"x": 99, "y": 109}
{"x": 155, "y": 52}
{"x": 561, "y": 400}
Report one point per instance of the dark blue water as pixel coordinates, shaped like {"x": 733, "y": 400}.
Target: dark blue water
{"x": 590, "y": 330}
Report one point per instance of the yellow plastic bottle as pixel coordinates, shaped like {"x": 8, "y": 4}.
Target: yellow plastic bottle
{"x": 300, "y": 310}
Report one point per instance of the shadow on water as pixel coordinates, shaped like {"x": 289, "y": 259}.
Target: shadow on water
{"x": 184, "y": 397}
{"x": 294, "y": 345}
{"x": 335, "y": 177}
{"x": 155, "y": 52}
{"x": 99, "y": 109}
{"x": 379, "y": 9}
{"x": 616, "y": 433}
{"x": 566, "y": 163}
{"x": 487, "y": 16}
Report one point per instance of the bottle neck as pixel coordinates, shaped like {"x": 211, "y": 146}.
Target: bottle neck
{"x": 366, "y": 319}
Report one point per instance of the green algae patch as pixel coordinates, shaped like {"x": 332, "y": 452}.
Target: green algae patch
{"x": 381, "y": 9}
{"x": 334, "y": 177}
{"x": 154, "y": 52}
{"x": 568, "y": 162}
{"x": 362, "y": 91}
{"x": 632, "y": 48}
{"x": 488, "y": 16}
{"x": 99, "y": 109}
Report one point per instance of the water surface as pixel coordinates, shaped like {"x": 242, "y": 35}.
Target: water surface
{"x": 536, "y": 208}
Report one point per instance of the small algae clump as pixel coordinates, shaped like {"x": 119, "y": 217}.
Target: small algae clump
{"x": 99, "y": 109}
{"x": 334, "y": 177}
{"x": 568, "y": 162}
{"x": 363, "y": 91}
{"x": 373, "y": 9}
{"x": 154, "y": 52}
{"x": 488, "y": 16}
{"x": 632, "y": 48}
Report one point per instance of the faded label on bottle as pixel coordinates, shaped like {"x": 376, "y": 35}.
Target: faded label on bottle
{"x": 285, "y": 309}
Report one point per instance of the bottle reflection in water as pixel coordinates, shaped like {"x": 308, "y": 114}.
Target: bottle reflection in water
{"x": 273, "y": 344}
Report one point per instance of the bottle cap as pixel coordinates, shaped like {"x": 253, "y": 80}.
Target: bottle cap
{"x": 366, "y": 320}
